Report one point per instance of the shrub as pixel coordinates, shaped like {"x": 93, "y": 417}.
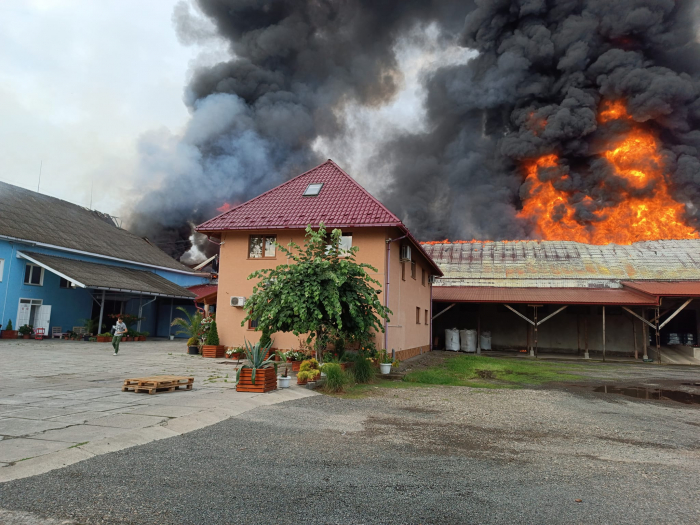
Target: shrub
{"x": 308, "y": 365}
{"x": 363, "y": 370}
{"x": 212, "y": 335}
{"x": 9, "y": 325}
{"x": 336, "y": 378}
{"x": 193, "y": 341}
{"x": 308, "y": 375}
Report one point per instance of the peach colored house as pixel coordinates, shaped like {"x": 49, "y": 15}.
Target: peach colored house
{"x": 324, "y": 194}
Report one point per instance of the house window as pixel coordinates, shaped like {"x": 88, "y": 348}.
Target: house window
{"x": 426, "y": 317}
{"x": 252, "y": 324}
{"x": 34, "y": 275}
{"x": 413, "y": 270}
{"x": 403, "y": 271}
{"x": 262, "y": 246}
{"x": 344, "y": 246}
{"x": 65, "y": 283}
{"x": 422, "y": 276}
{"x": 417, "y": 314}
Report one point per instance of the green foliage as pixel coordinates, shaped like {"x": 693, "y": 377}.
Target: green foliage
{"x": 27, "y": 329}
{"x": 129, "y": 319}
{"x": 324, "y": 292}
{"x": 473, "y": 370}
{"x": 384, "y": 357}
{"x": 308, "y": 375}
{"x": 255, "y": 354}
{"x": 190, "y": 325}
{"x": 193, "y": 341}
{"x": 90, "y": 325}
{"x": 336, "y": 378}
{"x": 104, "y": 334}
{"x": 309, "y": 364}
{"x": 363, "y": 370}
{"x": 9, "y": 325}
{"x": 212, "y": 335}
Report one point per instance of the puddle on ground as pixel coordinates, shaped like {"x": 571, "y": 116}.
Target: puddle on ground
{"x": 652, "y": 394}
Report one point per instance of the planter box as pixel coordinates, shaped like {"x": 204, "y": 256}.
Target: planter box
{"x": 9, "y": 334}
{"x": 103, "y": 339}
{"x": 265, "y": 380}
{"x": 295, "y": 366}
{"x": 215, "y": 351}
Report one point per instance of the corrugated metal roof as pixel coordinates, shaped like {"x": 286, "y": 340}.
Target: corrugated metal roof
{"x": 666, "y": 289}
{"x": 108, "y": 277}
{"x": 523, "y": 264}
{"x": 28, "y": 215}
{"x": 599, "y": 296}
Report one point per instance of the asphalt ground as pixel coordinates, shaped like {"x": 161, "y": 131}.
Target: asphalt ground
{"x": 416, "y": 455}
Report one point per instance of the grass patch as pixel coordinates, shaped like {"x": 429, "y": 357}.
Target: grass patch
{"x": 488, "y": 372}
{"x": 80, "y": 444}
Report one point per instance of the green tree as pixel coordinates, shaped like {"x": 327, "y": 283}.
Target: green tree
{"x": 324, "y": 292}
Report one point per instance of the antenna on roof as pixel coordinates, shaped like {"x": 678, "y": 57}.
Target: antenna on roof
{"x": 38, "y": 184}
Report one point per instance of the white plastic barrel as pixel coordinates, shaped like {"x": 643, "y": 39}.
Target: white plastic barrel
{"x": 452, "y": 339}
{"x": 486, "y": 340}
{"x": 467, "y": 340}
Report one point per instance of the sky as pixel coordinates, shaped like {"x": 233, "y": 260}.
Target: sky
{"x": 80, "y": 82}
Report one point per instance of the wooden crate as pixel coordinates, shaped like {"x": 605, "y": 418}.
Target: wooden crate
{"x": 155, "y": 384}
{"x": 265, "y": 380}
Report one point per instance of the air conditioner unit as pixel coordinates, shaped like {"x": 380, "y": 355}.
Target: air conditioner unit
{"x": 431, "y": 279}
{"x": 238, "y": 301}
{"x": 405, "y": 253}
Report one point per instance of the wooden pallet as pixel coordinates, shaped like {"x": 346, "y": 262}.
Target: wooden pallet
{"x": 155, "y": 384}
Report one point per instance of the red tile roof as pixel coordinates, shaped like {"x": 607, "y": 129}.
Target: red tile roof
{"x": 203, "y": 290}
{"x": 666, "y": 289}
{"x": 594, "y": 296}
{"x": 341, "y": 203}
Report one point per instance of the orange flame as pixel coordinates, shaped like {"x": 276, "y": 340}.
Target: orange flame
{"x": 636, "y": 160}
{"x": 223, "y": 208}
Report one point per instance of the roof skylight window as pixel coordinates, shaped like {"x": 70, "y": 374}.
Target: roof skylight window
{"x": 313, "y": 189}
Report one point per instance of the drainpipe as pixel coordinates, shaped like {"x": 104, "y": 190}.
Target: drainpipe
{"x": 138, "y": 328}
{"x": 386, "y": 288}
{"x": 430, "y": 343}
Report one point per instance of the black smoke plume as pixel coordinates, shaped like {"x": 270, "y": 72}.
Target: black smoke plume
{"x": 297, "y": 63}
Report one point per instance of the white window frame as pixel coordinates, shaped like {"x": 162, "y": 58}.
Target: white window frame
{"x": 41, "y": 275}
{"x": 2, "y": 268}
{"x": 71, "y": 284}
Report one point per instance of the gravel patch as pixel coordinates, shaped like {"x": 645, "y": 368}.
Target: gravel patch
{"x": 428, "y": 455}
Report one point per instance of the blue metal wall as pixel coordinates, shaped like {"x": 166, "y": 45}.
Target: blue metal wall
{"x": 70, "y": 306}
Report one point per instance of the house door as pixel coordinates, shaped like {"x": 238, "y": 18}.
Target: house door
{"x": 28, "y": 311}
{"x": 43, "y": 318}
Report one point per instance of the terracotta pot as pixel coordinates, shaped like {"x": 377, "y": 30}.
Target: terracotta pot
{"x": 9, "y": 334}
{"x": 265, "y": 380}
{"x": 25, "y": 336}
{"x": 295, "y": 366}
{"x": 302, "y": 381}
{"x": 103, "y": 339}
{"x": 214, "y": 351}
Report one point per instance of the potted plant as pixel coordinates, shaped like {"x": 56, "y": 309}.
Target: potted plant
{"x": 385, "y": 362}
{"x": 308, "y": 371}
{"x": 211, "y": 347}
{"x": 235, "y": 352}
{"x": 257, "y": 374}
{"x": 193, "y": 346}
{"x": 191, "y": 326}
{"x": 104, "y": 337}
{"x": 26, "y": 331}
{"x": 8, "y": 332}
{"x": 285, "y": 377}
{"x": 144, "y": 335}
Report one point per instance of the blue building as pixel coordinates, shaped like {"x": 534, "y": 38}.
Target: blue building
{"x": 61, "y": 264}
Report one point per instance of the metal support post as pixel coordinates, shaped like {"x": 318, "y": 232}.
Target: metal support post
{"x": 603, "y": 334}
{"x": 658, "y": 336}
{"x": 578, "y": 335}
{"x": 478, "y": 331}
{"x": 585, "y": 337}
{"x": 102, "y": 312}
{"x": 535, "y": 331}
{"x": 634, "y": 336}
{"x": 170, "y": 323}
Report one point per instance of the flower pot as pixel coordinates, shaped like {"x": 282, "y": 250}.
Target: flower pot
{"x": 9, "y": 334}
{"x": 25, "y": 336}
{"x": 103, "y": 339}
{"x": 265, "y": 380}
{"x": 193, "y": 350}
{"x": 295, "y": 366}
{"x": 172, "y": 338}
{"x": 385, "y": 368}
{"x": 302, "y": 381}
{"x": 284, "y": 381}
{"x": 215, "y": 351}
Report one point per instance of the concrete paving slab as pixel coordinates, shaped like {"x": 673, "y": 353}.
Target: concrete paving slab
{"x": 21, "y": 427}
{"x": 41, "y": 464}
{"x": 103, "y": 406}
{"x": 21, "y": 448}
{"x": 127, "y": 421}
{"x": 56, "y": 402}
{"x": 44, "y": 413}
{"x": 83, "y": 417}
{"x": 79, "y": 433}
{"x": 165, "y": 410}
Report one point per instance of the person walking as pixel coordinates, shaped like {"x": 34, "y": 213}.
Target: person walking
{"x": 119, "y": 331}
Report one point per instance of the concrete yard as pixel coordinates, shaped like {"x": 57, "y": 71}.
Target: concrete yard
{"x": 61, "y": 401}
{"x": 558, "y": 453}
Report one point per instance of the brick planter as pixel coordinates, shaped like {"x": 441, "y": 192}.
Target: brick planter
{"x": 265, "y": 380}
{"x": 215, "y": 351}
{"x": 9, "y": 334}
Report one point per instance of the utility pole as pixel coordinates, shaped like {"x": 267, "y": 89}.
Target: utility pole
{"x": 38, "y": 184}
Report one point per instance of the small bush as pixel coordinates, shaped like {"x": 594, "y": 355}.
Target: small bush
{"x": 363, "y": 370}
{"x": 308, "y": 365}
{"x": 9, "y": 325}
{"x": 336, "y": 378}
{"x": 212, "y": 335}
{"x": 193, "y": 341}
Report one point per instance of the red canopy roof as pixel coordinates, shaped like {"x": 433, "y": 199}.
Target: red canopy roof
{"x": 666, "y": 289}
{"x": 203, "y": 291}
{"x": 341, "y": 203}
{"x": 483, "y": 294}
